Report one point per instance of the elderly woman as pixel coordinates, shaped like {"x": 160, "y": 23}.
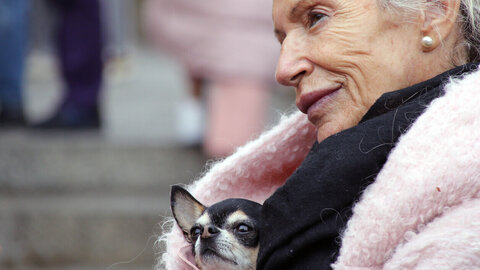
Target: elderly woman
{"x": 390, "y": 89}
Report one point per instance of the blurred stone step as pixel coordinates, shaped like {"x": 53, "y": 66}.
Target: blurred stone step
{"x": 77, "y": 229}
{"x": 77, "y": 199}
{"x": 72, "y": 162}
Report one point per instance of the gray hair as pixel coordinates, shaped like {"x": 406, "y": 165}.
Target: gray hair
{"x": 469, "y": 22}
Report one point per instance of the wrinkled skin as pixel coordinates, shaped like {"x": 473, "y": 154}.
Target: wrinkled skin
{"x": 352, "y": 50}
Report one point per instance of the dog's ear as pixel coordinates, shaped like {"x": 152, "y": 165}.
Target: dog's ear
{"x": 185, "y": 208}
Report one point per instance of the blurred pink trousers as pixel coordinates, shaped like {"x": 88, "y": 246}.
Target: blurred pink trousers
{"x": 230, "y": 44}
{"x": 237, "y": 112}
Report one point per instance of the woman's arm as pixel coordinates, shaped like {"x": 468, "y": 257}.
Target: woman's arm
{"x": 451, "y": 241}
{"x": 253, "y": 172}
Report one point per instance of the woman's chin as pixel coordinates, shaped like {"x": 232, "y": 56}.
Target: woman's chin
{"x": 327, "y": 129}
{"x": 334, "y": 124}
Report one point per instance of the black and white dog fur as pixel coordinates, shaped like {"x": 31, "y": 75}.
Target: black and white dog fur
{"x": 223, "y": 235}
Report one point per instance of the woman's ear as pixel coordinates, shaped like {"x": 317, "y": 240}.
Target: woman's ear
{"x": 438, "y": 19}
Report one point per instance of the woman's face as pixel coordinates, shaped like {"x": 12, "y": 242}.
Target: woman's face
{"x": 341, "y": 55}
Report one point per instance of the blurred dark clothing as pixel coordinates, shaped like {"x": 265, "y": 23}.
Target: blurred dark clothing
{"x": 13, "y": 47}
{"x": 79, "y": 43}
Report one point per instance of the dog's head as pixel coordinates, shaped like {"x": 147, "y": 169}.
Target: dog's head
{"x": 224, "y": 235}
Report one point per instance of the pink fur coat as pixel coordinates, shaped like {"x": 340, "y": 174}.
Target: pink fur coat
{"x": 422, "y": 211}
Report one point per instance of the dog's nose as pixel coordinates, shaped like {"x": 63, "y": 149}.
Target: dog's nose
{"x": 210, "y": 232}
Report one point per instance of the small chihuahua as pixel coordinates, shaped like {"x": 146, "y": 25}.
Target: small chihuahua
{"x": 224, "y": 235}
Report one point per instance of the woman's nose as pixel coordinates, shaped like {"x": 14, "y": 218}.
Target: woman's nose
{"x": 292, "y": 64}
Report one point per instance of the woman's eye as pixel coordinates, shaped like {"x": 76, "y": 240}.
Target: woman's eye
{"x": 314, "y": 18}
{"x": 242, "y": 228}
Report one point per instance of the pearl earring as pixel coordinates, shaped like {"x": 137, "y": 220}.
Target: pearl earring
{"x": 427, "y": 42}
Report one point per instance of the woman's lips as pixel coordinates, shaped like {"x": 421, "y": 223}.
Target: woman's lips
{"x": 307, "y": 100}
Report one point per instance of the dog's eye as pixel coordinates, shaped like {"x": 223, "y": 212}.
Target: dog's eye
{"x": 243, "y": 229}
{"x": 195, "y": 232}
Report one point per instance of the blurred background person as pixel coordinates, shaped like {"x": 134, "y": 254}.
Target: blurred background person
{"x": 13, "y": 48}
{"x": 219, "y": 43}
{"x": 79, "y": 49}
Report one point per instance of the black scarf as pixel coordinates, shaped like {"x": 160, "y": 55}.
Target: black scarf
{"x": 302, "y": 220}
